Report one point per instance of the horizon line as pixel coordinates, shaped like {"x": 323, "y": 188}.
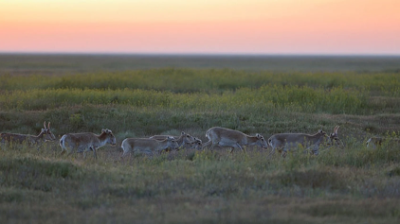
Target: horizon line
{"x": 198, "y": 54}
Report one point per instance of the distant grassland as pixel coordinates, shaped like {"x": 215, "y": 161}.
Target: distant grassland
{"x": 204, "y": 80}
{"x": 70, "y": 63}
{"x": 193, "y": 98}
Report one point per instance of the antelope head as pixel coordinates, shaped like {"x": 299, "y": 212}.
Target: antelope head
{"x": 261, "y": 141}
{"x": 171, "y": 143}
{"x": 46, "y": 130}
{"x": 188, "y": 139}
{"x": 197, "y": 143}
{"x": 111, "y": 139}
{"x": 334, "y": 137}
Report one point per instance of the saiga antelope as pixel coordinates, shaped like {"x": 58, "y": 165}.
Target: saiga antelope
{"x": 147, "y": 146}
{"x": 286, "y": 141}
{"x": 184, "y": 140}
{"x": 378, "y": 142}
{"x": 225, "y": 137}
{"x": 82, "y": 142}
{"x": 31, "y": 139}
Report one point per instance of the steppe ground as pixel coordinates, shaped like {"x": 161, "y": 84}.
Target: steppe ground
{"x": 144, "y": 95}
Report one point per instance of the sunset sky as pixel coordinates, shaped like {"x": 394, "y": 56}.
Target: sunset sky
{"x": 199, "y": 26}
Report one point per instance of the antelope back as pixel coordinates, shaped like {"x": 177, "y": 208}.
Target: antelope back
{"x": 159, "y": 137}
{"x": 12, "y": 137}
{"x": 299, "y": 138}
{"x": 378, "y": 142}
{"x": 219, "y": 132}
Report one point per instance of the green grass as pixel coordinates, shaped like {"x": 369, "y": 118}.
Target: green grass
{"x": 207, "y": 187}
{"x": 353, "y": 184}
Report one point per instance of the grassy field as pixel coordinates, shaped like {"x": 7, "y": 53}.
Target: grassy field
{"x": 353, "y": 184}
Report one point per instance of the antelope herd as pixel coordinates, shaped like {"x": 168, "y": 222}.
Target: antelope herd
{"x": 217, "y": 137}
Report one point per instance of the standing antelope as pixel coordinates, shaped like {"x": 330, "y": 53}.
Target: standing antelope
{"x": 378, "y": 142}
{"x": 225, "y": 137}
{"x": 285, "y": 141}
{"x": 147, "y": 146}
{"x": 184, "y": 140}
{"x": 82, "y": 142}
{"x": 31, "y": 139}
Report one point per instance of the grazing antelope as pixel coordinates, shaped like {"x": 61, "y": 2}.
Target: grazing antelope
{"x": 285, "y": 141}
{"x": 225, "y": 137}
{"x": 184, "y": 140}
{"x": 82, "y": 142}
{"x": 147, "y": 146}
{"x": 31, "y": 139}
{"x": 378, "y": 142}
{"x": 334, "y": 137}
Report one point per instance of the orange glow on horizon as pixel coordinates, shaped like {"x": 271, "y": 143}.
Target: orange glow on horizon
{"x": 177, "y": 26}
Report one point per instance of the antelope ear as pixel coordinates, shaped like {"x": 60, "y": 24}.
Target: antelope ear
{"x": 170, "y": 138}
{"x": 44, "y": 124}
{"x": 183, "y": 133}
{"x": 258, "y": 136}
{"x": 48, "y": 125}
{"x": 335, "y": 130}
{"x": 103, "y": 130}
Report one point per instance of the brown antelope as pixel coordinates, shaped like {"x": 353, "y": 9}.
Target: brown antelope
{"x": 82, "y": 142}
{"x": 147, "y": 146}
{"x": 184, "y": 140}
{"x": 44, "y": 134}
{"x": 286, "y": 141}
{"x": 225, "y": 137}
{"x": 378, "y": 142}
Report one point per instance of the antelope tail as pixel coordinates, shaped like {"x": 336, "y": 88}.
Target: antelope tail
{"x": 62, "y": 142}
{"x": 270, "y": 142}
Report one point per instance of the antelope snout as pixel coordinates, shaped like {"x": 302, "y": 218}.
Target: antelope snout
{"x": 113, "y": 141}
